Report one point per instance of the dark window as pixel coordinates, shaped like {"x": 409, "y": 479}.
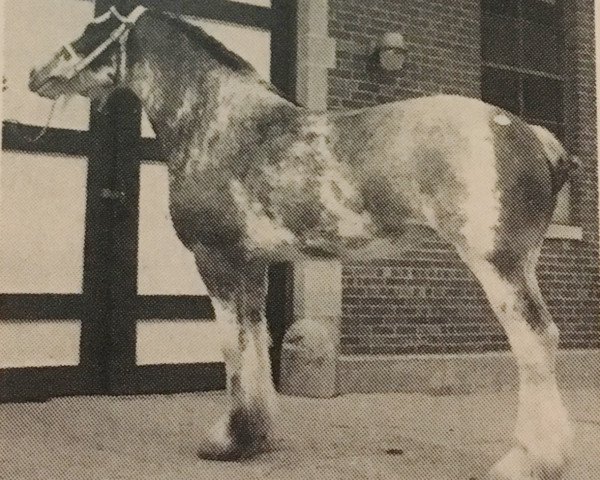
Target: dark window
{"x": 501, "y": 88}
{"x": 522, "y": 54}
{"x": 542, "y": 98}
{"x": 547, "y": 12}
{"x": 500, "y": 43}
{"x": 541, "y": 48}
{"x": 508, "y": 8}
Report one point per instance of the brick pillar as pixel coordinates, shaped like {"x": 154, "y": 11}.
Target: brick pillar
{"x": 310, "y": 346}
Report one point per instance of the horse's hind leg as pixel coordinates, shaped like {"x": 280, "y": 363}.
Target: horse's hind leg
{"x": 543, "y": 433}
{"x": 238, "y": 295}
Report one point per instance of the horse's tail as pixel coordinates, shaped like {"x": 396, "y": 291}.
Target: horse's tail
{"x": 561, "y": 163}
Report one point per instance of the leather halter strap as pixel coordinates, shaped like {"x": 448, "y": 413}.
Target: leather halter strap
{"x": 76, "y": 63}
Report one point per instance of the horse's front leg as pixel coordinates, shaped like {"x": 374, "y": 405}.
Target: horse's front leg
{"x": 238, "y": 293}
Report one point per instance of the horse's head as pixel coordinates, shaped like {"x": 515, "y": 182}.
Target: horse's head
{"x": 91, "y": 64}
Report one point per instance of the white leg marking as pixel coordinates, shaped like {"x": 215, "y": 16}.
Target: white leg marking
{"x": 246, "y": 425}
{"x": 543, "y": 430}
{"x": 246, "y": 353}
{"x": 255, "y": 373}
{"x": 228, "y": 324}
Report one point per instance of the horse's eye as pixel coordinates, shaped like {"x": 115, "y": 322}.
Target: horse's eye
{"x": 66, "y": 54}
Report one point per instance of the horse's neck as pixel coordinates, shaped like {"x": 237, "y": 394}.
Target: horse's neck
{"x": 190, "y": 97}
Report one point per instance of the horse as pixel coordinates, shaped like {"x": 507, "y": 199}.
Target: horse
{"x": 255, "y": 178}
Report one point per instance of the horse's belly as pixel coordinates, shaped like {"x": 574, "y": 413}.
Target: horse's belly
{"x": 293, "y": 230}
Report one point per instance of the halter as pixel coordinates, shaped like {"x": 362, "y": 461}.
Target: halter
{"x": 76, "y": 63}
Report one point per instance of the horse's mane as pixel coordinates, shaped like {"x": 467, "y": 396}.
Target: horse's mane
{"x": 221, "y": 53}
{"x": 199, "y": 37}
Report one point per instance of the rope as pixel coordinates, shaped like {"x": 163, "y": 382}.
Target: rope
{"x": 120, "y": 34}
{"x": 46, "y": 126}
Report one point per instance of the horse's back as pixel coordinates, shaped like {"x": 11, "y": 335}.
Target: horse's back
{"x": 474, "y": 172}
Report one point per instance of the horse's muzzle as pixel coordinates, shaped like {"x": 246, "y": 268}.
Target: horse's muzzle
{"x": 44, "y": 85}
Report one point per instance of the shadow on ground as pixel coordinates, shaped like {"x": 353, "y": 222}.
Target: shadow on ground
{"x": 379, "y": 437}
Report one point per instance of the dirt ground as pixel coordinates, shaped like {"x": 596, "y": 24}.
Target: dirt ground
{"x": 374, "y": 437}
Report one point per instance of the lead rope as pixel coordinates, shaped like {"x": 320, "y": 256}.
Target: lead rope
{"x": 121, "y": 68}
{"x": 129, "y": 21}
{"x": 46, "y": 126}
{"x": 120, "y": 75}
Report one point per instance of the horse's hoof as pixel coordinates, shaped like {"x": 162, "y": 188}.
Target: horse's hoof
{"x": 228, "y": 450}
{"x": 235, "y": 437}
{"x": 222, "y": 451}
{"x": 517, "y": 465}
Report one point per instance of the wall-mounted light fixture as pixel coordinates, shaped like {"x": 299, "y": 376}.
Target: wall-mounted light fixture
{"x": 391, "y": 51}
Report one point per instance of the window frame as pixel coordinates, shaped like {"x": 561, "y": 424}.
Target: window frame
{"x": 563, "y": 228}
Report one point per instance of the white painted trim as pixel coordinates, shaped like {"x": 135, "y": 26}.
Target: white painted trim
{"x": 42, "y": 343}
{"x": 316, "y": 54}
{"x": 177, "y": 341}
{"x": 565, "y": 232}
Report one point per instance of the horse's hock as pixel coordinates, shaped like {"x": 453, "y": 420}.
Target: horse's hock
{"x": 310, "y": 346}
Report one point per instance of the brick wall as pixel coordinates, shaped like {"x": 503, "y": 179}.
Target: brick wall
{"x": 443, "y": 57}
{"x": 429, "y": 302}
